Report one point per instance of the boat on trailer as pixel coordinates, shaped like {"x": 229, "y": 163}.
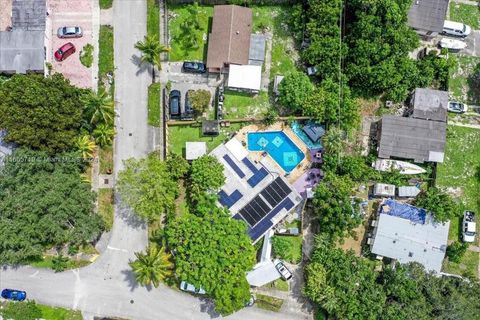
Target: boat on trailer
{"x": 403, "y": 167}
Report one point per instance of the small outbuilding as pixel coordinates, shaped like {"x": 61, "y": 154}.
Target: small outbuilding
{"x": 210, "y": 128}
{"x": 429, "y": 104}
{"x": 383, "y": 190}
{"x": 194, "y": 150}
{"x": 256, "y": 54}
{"x": 314, "y": 131}
{"x": 245, "y": 78}
{"x": 408, "y": 191}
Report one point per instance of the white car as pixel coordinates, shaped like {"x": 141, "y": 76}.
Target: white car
{"x": 185, "y": 286}
{"x": 284, "y": 272}
{"x": 469, "y": 227}
{"x": 457, "y": 107}
{"x": 69, "y": 32}
{"x": 452, "y": 44}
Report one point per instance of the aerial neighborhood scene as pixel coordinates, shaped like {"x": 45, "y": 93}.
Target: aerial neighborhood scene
{"x": 223, "y": 159}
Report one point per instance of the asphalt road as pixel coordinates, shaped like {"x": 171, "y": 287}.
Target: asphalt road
{"x": 107, "y": 287}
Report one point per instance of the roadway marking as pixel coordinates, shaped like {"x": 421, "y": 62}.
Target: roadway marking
{"x": 34, "y": 274}
{"x": 116, "y": 249}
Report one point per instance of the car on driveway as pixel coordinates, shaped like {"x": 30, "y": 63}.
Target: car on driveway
{"x": 469, "y": 226}
{"x": 194, "y": 67}
{"x": 457, "y": 107}
{"x": 64, "y": 51}
{"x": 69, "y": 32}
{"x": 16, "y": 295}
{"x": 282, "y": 269}
{"x": 185, "y": 286}
{"x": 175, "y": 109}
{"x": 452, "y": 44}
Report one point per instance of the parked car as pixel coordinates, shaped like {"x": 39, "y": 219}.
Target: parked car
{"x": 64, "y": 51}
{"x": 175, "y": 97}
{"x": 456, "y": 29}
{"x": 457, "y": 107}
{"x": 251, "y": 302}
{"x": 194, "y": 67}
{"x": 469, "y": 226}
{"x": 12, "y": 294}
{"x": 452, "y": 44}
{"x": 188, "y": 114}
{"x": 185, "y": 286}
{"x": 69, "y": 32}
{"x": 282, "y": 269}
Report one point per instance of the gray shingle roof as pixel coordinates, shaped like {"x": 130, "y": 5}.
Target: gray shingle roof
{"x": 427, "y": 15}
{"x": 430, "y": 104}
{"x": 22, "y": 51}
{"x": 256, "y": 55}
{"x": 29, "y": 14}
{"x": 409, "y": 138}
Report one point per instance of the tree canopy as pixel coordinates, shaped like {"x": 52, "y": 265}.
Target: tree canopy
{"x": 41, "y": 113}
{"x": 294, "y": 90}
{"x": 43, "y": 202}
{"x": 200, "y": 100}
{"x": 206, "y": 173}
{"x": 440, "y": 204}
{"x": 213, "y": 251}
{"x": 148, "y": 187}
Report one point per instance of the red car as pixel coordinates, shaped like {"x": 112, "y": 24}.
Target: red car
{"x": 65, "y": 51}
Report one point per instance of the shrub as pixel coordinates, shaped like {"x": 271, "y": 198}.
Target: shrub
{"x": 86, "y": 55}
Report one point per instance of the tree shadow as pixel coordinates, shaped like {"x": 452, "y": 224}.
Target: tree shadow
{"x": 129, "y": 277}
{"x": 208, "y": 306}
{"x": 473, "y": 81}
{"x": 127, "y": 214}
{"x": 142, "y": 66}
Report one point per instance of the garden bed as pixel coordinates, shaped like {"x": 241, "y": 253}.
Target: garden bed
{"x": 269, "y": 303}
{"x": 154, "y": 114}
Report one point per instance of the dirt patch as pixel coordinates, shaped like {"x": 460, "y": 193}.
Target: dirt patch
{"x": 369, "y": 107}
{"x": 455, "y": 192}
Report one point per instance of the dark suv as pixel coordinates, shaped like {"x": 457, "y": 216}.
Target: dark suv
{"x": 175, "y": 97}
{"x": 194, "y": 67}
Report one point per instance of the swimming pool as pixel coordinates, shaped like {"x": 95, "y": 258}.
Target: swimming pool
{"x": 279, "y": 146}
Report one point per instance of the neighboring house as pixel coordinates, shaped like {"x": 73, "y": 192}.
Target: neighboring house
{"x": 409, "y": 234}
{"x": 426, "y": 17}
{"x": 252, "y": 192}
{"x": 429, "y": 104}
{"x": 22, "y": 37}
{"x": 409, "y": 138}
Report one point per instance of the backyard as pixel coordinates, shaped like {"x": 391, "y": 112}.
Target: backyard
{"x": 464, "y": 85}
{"x": 465, "y": 13}
{"x": 243, "y": 105}
{"x": 459, "y": 176}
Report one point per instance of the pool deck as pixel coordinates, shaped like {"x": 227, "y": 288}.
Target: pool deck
{"x": 301, "y": 168}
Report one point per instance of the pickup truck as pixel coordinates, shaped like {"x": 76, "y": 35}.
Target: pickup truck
{"x": 469, "y": 226}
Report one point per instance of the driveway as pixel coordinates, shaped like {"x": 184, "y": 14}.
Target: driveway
{"x": 71, "y": 13}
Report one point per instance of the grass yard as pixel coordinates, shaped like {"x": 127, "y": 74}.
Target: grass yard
{"x": 178, "y": 135}
{"x": 106, "y": 4}
{"x": 459, "y": 176}
{"x": 154, "y": 113}
{"x": 467, "y": 267}
{"x": 52, "y": 313}
{"x": 105, "y": 207}
{"x": 465, "y": 13}
{"x": 279, "y": 284}
{"x": 153, "y": 18}
{"x": 289, "y": 248}
{"x": 47, "y": 262}
{"x": 462, "y": 84}
{"x": 180, "y": 25}
{"x": 105, "y": 55}
{"x": 106, "y": 159}
{"x": 21, "y": 309}
{"x": 269, "y": 303}
{"x": 239, "y": 105}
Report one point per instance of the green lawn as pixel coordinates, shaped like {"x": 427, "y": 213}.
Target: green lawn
{"x": 52, "y": 313}
{"x": 463, "y": 86}
{"x": 289, "y": 248}
{"x": 269, "y": 303}
{"x": 459, "y": 175}
{"x": 279, "y": 284}
{"x": 105, "y": 55}
{"x": 86, "y": 55}
{"x": 178, "y": 135}
{"x": 153, "y": 18}
{"x": 241, "y": 105}
{"x": 19, "y": 310}
{"x": 106, "y": 159}
{"x": 46, "y": 262}
{"x": 181, "y": 50}
{"x": 468, "y": 14}
{"x": 105, "y": 207}
{"x": 106, "y": 4}
{"x": 154, "y": 113}
{"x": 467, "y": 267}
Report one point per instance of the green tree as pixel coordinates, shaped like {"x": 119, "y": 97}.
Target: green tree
{"x": 294, "y": 90}
{"x": 456, "y": 251}
{"x": 151, "y": 49}
{"x": 333, "y": 140}
{"x": 177, "y": 165}
{"x": 440, "y": 204}
{"x": 206, "y": 174}
{"x": 147, "y": 186}
{"x": 40, "y": 113}
{"x": 43, "y": 202}
{"x": 86, "y": 146}
{"x": 153, "y": 266}
{"x": 99, "y": 107}
{"x": 333, "y": 205}
{"x": 213, "y": 251}
{"x": 59, "y": 263}
{"x": 21, "y": 311}
{"x": 200, "y": 100}
{"x": 104, "y": 134}
{"x": 270, "y": 116}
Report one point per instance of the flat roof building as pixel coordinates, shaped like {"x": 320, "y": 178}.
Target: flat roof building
{"x": 245, "y": 78}
{"x": 426, "y": 17}
{"x": 429, "y": 104}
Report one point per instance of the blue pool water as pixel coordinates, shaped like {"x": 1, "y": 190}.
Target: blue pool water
{"x": 297, "y": 128}
{"x": 279, "y": 146}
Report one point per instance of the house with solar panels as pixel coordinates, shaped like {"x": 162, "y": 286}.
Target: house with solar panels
{"x": 252, "y": 193}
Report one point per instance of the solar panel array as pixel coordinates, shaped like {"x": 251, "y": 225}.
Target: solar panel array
{"x": 276, "y": 191}
{"x": 234, "y": 166}
{"x": 257, "y": 177}
{"x": 255, "y": 210}
{"x": 229, "y": 200}
{"x": 264, "y": 225}
{"x": 249, "y": 164}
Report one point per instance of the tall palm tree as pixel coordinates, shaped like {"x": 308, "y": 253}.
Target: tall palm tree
{"x": 103, "y": 134}
{"x": 86, "y": 146}
{"x": 153, "y": 266}
{"x": 151, "y": 50}
{"x": 99, "y": 107}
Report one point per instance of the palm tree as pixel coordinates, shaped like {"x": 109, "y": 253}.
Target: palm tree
{"x": 86, "y": 146}
{"x": 151, "y": 50}
{"x": 103, "y": 134}
{"x": 153, "y": 266}
{"x": 99, "y": 107}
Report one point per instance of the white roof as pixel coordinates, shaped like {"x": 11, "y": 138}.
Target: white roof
{"x": 236, "y": 149}
{"x": 245, "y": 77}
{"x": 382, "y": 189}
{"x": 262, "y": 273}
{"x": 194, "y": 150}
{"x": 408, "y": 191}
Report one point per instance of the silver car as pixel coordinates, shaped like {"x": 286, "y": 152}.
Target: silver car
{"x": 69, "y": 32}
{"x": 282, "y": 269}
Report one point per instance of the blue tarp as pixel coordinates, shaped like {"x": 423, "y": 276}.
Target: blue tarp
{"x": 405, "y": 211}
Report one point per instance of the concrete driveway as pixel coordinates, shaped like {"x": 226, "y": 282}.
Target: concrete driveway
{"x": 72, "y": 13}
